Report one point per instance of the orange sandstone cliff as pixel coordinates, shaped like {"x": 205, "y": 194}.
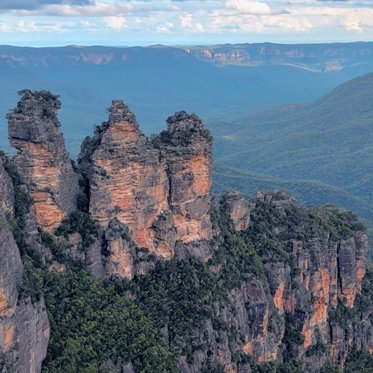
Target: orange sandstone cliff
{"x": 42, "y": 159}
{"x": 288, "y": 270}
{"x": 187, "y": 148}
{"x": 158, "y": 192}
{"x": 128, "y": 181}
{"x": 24, "y": 326}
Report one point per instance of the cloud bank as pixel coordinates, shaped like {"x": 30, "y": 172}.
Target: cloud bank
{"x": 182, "y": 20}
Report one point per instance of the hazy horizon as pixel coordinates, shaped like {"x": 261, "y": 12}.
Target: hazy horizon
{"x": 144, "y": 44}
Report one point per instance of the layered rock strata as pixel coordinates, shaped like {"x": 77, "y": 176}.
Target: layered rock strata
{"x": 24, "y": 327}
{"x": 159, "y": 191}
{"x": 187, "y": 148}
{"x": 128, "y": 181}
{"x": 293, "y": 305}
{"x": 152, "y": 199}
{"x": 42, "y": 159}
{"x": 237, "y": 209}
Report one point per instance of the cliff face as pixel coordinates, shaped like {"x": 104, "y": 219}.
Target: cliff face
{"x": 159, "y": 191}
{"x": 237, "y": 209}
{"x": 6, "y": 190}
{"x": 186, "y": 146}
{"x": 42, "y": 160}
{"x": 24, "y": 327}
{"x": 264, "y": 281}
{"x": 128, "y": 181}
{"x": 292, "y": 309}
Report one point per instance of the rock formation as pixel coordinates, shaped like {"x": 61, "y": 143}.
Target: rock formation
{"x": 187, "y": 148}
{"x": 235, "y": 206}
{"x": 295, "y": 303}
{"x": 128, "y": 181}
{"x": 42, "y": 160}
{"x": 6, "y": 190}
{"x": 24, "y": 327}
{"x": 160, "y": 192}
{"x": 283, "y": 274}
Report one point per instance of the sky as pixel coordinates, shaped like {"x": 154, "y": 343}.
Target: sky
{"x": 180, "y": 22}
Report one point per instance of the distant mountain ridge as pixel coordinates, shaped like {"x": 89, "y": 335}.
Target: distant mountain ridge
{"x": 312, "y": 57}
{"x": 222, "y": 81}
{"x": 329, "y": 140}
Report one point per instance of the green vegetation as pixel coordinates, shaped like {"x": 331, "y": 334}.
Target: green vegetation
{"x": 236, "y": 254}
{"x": 92, "y": 323}
{"x": 308, "y": 192}
{"x": 148, "y": 321}
{"x": 5, "y": 365}
{"x": 361, "y": 362}
{"x": 32, "y": 279}
{"x": 321, "y": 152}
{"x": 364, "y": 301}
{"x": 179, "y": 295}
{"x": 80, "y": 222}
{"x": 176, "y": 297}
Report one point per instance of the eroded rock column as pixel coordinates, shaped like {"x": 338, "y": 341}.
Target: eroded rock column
{"x": 186, "y": 146}
{"x": 42, "y": 159}
{"x": 128, "y": 182}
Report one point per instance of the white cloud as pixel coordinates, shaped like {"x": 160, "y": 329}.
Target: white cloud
{"x": 89, "y": 26}
{"x": 165, "y": 27}
{"x": 21, "y": 27}
{"x": 187, "y": 22}
{"x": 98, "y": 9}
{"x": 273, "y": 20}
{"x": 116, "y": 23}
{"x": 248, "y": 7}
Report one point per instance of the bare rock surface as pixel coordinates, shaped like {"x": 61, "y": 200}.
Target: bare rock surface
{"x": 160, "y": 190}
{"x": 42, "y": 159}
{"x": 24, "y": 327}
{"x": 238, "y": 209}
{"x": 128, "y": 182}
{"x": 187, "y": 148}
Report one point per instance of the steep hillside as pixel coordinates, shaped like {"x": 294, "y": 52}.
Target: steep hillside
{"x": 147, "y": 272}
{"x": 159, "y": 80}
{"x": 311, "y": 192}
{"x": 329, "y": 140}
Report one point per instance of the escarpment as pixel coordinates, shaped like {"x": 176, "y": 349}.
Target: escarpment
{"x": 159, "y": 191}
{"x": 24, "y": 326}
{"x": 235, "y": 206}
{"x": 187, "y": 148}
{"x": 128, "y": 181}
{"x": 229, "y": 285}
{"x": 289, "y": 305}
{"x": 42, "y": 159}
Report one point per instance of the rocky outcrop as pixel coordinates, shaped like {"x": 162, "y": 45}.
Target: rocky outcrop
{"x": 24, "y": 327}
{"x": 11, "y": 268}
{"x": 159, "y": 191}
{"x": 351, "y": 266}
{"x": 281, "y": 275}
{"x": 293, "y": 308}
{"x": 237, "y": 209}
{"x": 324, "y": 269}
{"x": 128, "y": 182}
{"x": 6, "y": 190}
{"x": 42, "y": 160}
{"x": 31, "y": 336}
{"x": 120, "y": 249}
{"x": 10, "y": 276}
{"x": 186, "y": 146}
